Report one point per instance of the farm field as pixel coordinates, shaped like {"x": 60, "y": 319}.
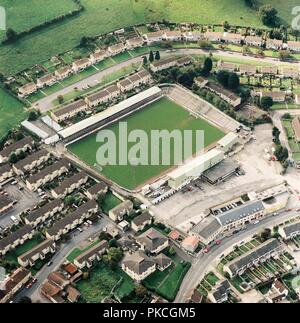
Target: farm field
{"x": 11, "y": 112}
{"x": 161, "y": 115}
{"x": 20, "y": 16}
{"x": 104, "y": 16}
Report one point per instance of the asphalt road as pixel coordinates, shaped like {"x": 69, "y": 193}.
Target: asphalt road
{"x": 202, "y": 264}
{"x": 45, "y": 104}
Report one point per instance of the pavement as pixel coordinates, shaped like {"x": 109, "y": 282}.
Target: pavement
{"x": 45, "y": 104}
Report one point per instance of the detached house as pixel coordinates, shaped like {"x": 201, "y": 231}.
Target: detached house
{"x": 153, "y": 241}
{"x": 141, "y": 221}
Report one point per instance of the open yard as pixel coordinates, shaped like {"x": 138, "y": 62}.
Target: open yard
{"x": 104, "y": 16}
{"x": 102, "y": 282}
{"x": 11, "y": 112}
{"x": 162, "y": 115}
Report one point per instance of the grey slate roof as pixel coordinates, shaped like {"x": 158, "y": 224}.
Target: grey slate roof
{"x": 6, "y": 152}
{"x": 138, "y": 262}
{"x": 207, "y": 227}
{"x": 31, "y": 158}
{"x": 252, "y": 255}
{"x": 241, "y": 212}
{"x": 221, "y": 290}
{"x": 97, "y": 188}
{"x": 68, "y": 182}
{"x": 99, "y": 247}
{"x": 141, "y": 219}
{"x": 37, "y": 250}
{"x": 36, "y": 214}
{"x": 152, "y": 239}
{"x": 291, "y": 228}
{"x": 15, "y": 235}
{"x": 4, "y": 201}
{"x": 162, "y": 260}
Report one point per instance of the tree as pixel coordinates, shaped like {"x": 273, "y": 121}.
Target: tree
{"x": 145, "y": 60}
{"x": 151, "y": 57}
{"x": 13, "y": 158}
{"x": 157, "y": 55}
{"x": 284, "y": 55}
{"x": 266, "y": 103}
{"x": 25, "y": 300}
{"x": 281, "y": 153}
{"x": 205, "y": 44}
{"x": 32, "y": 116}
{"x": 268, "y": 15}
{"x": 11, "y": 35}
{"x": 223, "y": 77}
{"x": 113, "y": 256}
{"x": 233, "y": 81}
{"x": 141, "y": 291}
{"x": 69, "y": 200}
{"x": 112, "y": 243}
{"x": 60, "y": 99}
{"x": 208, "y": 66}
{"x": 84, "y": 41}
{"x": 276, "y": 134}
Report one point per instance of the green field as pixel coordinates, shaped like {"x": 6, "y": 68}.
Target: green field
{"x": 162, "y": 115}
{"x": 106, "y": 15}
{"x": 11, "y": 112}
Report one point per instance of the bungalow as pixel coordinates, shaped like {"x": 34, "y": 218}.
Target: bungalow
{"x": 81, "y": 64}
{"x": 134, "y": 42}
{"x": 225, "y": 66}
{"x": 6, "y": 172}
{"x": 63, "y": 73}
{"x": 214, "y": 37}
{"x": 100, "y": 97}
{"x": 39, "y": 252}
{"x": 14, "y": 283}
{"x": 246, "y": 69}
{"x": 193, "y": 36}
{"x": 260, "y": 254}
{"x": 19, "y": 146}
{"x": 15, "y": 239}
{"x": 290, "y": 231}
{"x": 162, "y": 262}
{"x": 153, "y": 241}
{"x": 69, "y": 185}
{"x": 116, "y": 49}
{"x": 69, "y": 111}
{"x": 138, "y": 266}
{"x": 255, "y": 41}
{"x": 27, "y": 89}
{"x": 163, "y": 64}
{"x": 6, "y": 204}
{"x": 47, "y": 175}
{"x": 277, "y": 96}
{"x": 274, "y": 44}
{"x": 141, "y": 221}
{"x": 174, "y": 35}
{"x": 233, "y": 38}
{"x": 46, "y": 80}
{"x": 290, "y": 72}
{"x": 32, "y": 161}
{"x": 43, "y": 213}
{"x": 190, "y": 244}
{"x": 117, "y": 214}
{"x": 86, "y": 259}
{"x": 98, "y": 56}
{"x": 293, "y": 46}
{"x": 71, "y": 221}
{"x": 97, "y": 190}
{"x": 154, "y": 37}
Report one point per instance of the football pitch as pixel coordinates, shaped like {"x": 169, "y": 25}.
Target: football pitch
{"x": 163, "y": 114}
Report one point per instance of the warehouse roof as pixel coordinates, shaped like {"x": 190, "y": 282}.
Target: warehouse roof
{"x": 109, "y": 112}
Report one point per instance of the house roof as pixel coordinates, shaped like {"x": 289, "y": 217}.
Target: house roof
{"x": 191, "y": 241}
{"x": 221, "y": 290}
{"x": 37, "y": 250}
{"x": 98, "y": 95}
{"x": 5, "y": 201}
{"x": 5, "y": 169}
{"x": 73, "y": 294}
{"x": 241, "y": 212}
{"x": 63, "y": 70}
{"x": 69, "y": 108}
{"x": 174, "y": 235}
{"x": 291, "y": 228}
{"x": 49, "y": 289}
{"x": 138, "y": 262}
{"x": 6, "y": 152}
{"x": 20, "y": 165}
{"x": 70, "y": 268}
{"x": 58, "y": 279}
{"x": 152, "y": 239}
{"x": 252, "y": 255}
{"x": 206, "y": 228}
{"x": 82, "y": 62}
{"x": 162, "y": 260}
{"x": 68, "y": 182}
{"x": 98, "y": 248}
{"x": 142, "y": 219}
{"x": 97, "y": 188}
{"x": 119, "y": 209}
{"x": 12, "y": 237}
{"x": 36, "y": 214}
{"x": 273, "y": 94}
{"x": 164, "y": 61}
{"x": 46, "y": 78}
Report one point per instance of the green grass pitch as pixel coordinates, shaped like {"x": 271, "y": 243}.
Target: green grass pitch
{"x": 163, "y": 114}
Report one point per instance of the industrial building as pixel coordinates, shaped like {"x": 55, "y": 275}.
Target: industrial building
{"x": 195, "y": 168}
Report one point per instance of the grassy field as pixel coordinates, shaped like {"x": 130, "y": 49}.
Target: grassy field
{"x": 20, "y": 16}
{"x": 11, "y": 112}
{"x": 77, "y": 251}
{"x": 106, "y": 15}
{"x": 101, "y": 282}
{"x": 162, "y": 115}
{"x": 109, "y": 202}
